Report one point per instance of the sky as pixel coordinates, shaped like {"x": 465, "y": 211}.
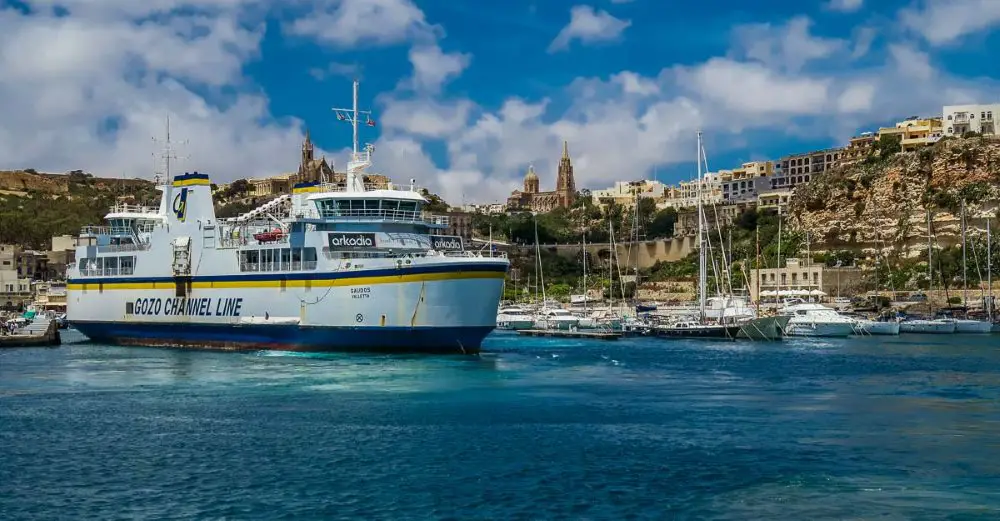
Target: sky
{"x": 467, "y": 93}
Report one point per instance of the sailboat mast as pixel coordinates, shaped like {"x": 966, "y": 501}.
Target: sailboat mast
{"x": 965, "y": 276}
{"x": 584, "y": 270}
{"x": 538, "y": 252}
{"x": 701, "y": 241}
{"x": 757, "y": 273}
{"x": 989, "y": 272}
{"x": 930, "y": 248}
{"x": 611, "y": 267}
{"x": 777, "y": 293}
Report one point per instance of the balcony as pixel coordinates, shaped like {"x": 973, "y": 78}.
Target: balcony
{"x": 134, "y": 208}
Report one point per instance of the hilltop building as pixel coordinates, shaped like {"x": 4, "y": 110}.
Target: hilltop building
{"x": 959, "y": 119}
{"x": 914, "y": 132}
{"x": 859, "y": 148}
{"x": 801, "y": 168}
{"x": 624, "y": 193}
{"x": 310, "y": 168}
{"x": 744, "y": 183}
{"x": 531, "y": 198}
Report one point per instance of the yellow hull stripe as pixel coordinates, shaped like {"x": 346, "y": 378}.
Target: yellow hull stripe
{"x": 328, "y": 283}
{"x": 192, "y": 182}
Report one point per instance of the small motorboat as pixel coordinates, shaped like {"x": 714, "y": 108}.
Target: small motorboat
{"x": 270, "y": 236}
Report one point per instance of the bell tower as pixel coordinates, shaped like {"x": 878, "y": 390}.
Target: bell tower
{"x": 565, "y": 184}
{"x": 307, "y": 150}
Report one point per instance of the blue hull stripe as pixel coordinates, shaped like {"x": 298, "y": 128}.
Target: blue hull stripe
{"x": 409, "y": 270}
{"x": 288, "y": 337}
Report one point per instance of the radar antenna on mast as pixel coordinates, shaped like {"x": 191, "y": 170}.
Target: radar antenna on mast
{"x": 359, "y": 161}
{"x": 166, "y": 155}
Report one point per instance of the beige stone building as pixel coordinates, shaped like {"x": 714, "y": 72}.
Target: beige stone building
{"x": 532, "y": 198}
{"x": 801, "y": 168}
{"x": 624, "y": 193}
{"x": 858, "y": 148}
{"x": 744, "y": 183}
{"x": 804, "y": 278}
{"x": 914, "y": 132}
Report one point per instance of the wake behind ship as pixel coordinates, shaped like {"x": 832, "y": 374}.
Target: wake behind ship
{"x": 327, "y": 267}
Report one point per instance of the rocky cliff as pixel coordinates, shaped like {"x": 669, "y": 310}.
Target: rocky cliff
{"x": 882, "y": 203}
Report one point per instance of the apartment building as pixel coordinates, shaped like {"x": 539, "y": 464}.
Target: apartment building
{"x": 914, "y": 132}
{"x": 858, "y": 148}
{"x": 745, "y": 183}
{"x": 624, "y": 193}
{"x": 801, "y": 168}
{"x": 959, "y": 119}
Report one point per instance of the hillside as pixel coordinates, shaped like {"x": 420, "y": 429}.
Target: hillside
{"x": 883, "y": 202}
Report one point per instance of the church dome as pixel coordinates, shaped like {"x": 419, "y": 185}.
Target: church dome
{"x": 531, "y": 174}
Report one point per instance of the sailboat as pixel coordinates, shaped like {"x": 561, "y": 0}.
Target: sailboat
{"x": 918, "y": 325}
{"x": 966, "y": 325}
{"x": 700, "y": 327}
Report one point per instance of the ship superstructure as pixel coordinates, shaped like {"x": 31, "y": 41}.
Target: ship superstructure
{"x": 326, "y": 267}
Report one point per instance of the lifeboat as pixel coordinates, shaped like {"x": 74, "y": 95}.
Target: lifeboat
{"x": 270, "y": 236}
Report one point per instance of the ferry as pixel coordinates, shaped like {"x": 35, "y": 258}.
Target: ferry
{"x": 327, "y": 267}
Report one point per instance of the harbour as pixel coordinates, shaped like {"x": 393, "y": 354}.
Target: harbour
{"x": 867, "y": 427}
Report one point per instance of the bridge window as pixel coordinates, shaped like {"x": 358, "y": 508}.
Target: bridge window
{"x": 107, "y": 266}
{"x": 278, "y": 259}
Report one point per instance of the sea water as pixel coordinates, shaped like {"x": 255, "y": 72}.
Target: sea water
{"x": 882, "y": 427}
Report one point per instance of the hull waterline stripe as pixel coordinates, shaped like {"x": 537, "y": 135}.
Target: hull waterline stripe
{"x": 290, "y": 282}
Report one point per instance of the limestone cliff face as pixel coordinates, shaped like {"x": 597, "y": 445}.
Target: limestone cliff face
{"x": 882, "y": 204}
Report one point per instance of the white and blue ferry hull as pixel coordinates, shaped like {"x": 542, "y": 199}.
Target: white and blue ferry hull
{"x": 443, "y": 308}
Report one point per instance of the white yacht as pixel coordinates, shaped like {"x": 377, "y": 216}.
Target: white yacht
{"x": 876, "y": 327}
{"x": 556, "y": 318}
{"x": 930, "y": 327}
{"x": 972, "y": 326}
{"x": 514, "y": 318}
{"x": 809, "y": 319}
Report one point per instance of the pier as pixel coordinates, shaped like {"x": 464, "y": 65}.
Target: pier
{"x": 42, "y": 332}
{"x": 565, "y": 333}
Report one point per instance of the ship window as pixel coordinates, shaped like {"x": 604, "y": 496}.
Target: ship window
{"x": 286, "y": 259}
{"x": 408, "y": 206}
{"x": 111, "y": 265}
{"x": 127, "y": 265}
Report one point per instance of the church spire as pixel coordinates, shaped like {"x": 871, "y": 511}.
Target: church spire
{"x": 565, "y": 150}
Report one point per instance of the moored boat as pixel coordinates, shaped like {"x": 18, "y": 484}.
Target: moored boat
{"x": 927, "y": 327}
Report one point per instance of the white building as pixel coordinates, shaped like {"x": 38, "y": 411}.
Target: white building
{"x": 625, "y": 192}
{"x": 959, "y": 119}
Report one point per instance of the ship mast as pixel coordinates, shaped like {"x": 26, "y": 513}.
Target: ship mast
{"x": 359, "y": 161}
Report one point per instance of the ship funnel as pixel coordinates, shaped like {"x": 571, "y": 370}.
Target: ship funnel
{"x": 191, "y": 199}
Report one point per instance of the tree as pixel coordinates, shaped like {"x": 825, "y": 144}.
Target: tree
{"x": 434, "y": 202}
{"x": 662, "y": 224}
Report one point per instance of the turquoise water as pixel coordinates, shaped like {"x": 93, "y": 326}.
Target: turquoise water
{"x": 891, "y": 428}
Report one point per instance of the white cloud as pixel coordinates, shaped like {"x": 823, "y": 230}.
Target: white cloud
{"x": 844, "y": 6}
{"x": 864, "y": 37}
{"x": 425, "y": 117}
{"x": 944, "y": 22}
{"x": 432, "y": 67}
{"x": 346, "y": 23}
{"x": 790, "y": 46}
{"x": 751, "y": 88}
{"x": 911, "y": 63}
{"x": 89, "y": 88}
{"x": 857, "y": 97}
{"x": 588, "y": 26}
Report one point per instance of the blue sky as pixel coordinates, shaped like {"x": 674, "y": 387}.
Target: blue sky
{"x": 468, "y": 93}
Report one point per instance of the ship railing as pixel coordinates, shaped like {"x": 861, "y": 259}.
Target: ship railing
{"x": 113, "y": 248}
{"x": 342, "y": 187}
{"x": 477, "y": 254}
{"x": 278, "y": 266}
{"x": 133, "y": 208}
{"x": 406, "y": 216}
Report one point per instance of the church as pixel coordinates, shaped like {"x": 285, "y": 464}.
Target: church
{"x": 534, "y": 200}
{"x": 312, "y": 170}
